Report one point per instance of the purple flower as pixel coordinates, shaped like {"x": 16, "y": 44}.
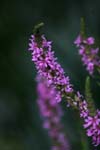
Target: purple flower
{"x": 90, "y": 57}
{"x": 90, "y": 67}
{"x": 78, "y": 40}
{"x": 91, "y": 123}
{"x": 84, "y": 112}
{"x": 51, "y": 113}
{"x": 48, "y": 67}
{"x": 89, "y": 41}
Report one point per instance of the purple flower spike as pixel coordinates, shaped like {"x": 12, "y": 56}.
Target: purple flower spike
{"x": 48, "y": 67}
{"x": 90, "y": 57}
{"x": 91, "y": 123}
{"x": 51, "y": 113}
{"x": 58, "y": 86}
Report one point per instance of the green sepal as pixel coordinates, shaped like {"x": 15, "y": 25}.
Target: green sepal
{"x": 37, "y": 28}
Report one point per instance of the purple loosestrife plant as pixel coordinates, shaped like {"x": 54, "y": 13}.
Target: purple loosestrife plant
{"x": 48, "y": 67}
{"x": 51, "y": 113}
{"x": 91, "y": 123}
{"x": 89, "y": 53}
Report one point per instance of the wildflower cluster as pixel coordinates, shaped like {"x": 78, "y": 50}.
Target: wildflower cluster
{"x": 89, "y": 53}
{"x": 48, "y": 67}
{"x": 91, "y": 123}
{"x": 51, "y": 113}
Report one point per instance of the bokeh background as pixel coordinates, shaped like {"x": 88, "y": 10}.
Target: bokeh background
{"x": 20, "y": 122}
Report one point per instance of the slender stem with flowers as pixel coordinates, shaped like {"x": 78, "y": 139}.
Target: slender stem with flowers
{"x": 89, "y": 53}
{"x": 48, "y": 67}
{"x": 51, "y": 113}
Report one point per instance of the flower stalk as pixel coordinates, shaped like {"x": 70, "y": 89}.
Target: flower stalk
{"x": 48, "y": 67}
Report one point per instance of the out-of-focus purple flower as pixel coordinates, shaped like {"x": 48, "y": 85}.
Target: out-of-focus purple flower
{"x": 78, "y": 41}
{"x": 90, "y": 57}
{"x": 47, "y": 65}
{"x": 89, "y": 41}
{"x": 51, "y": 113}
{"x": 90, "y": 67}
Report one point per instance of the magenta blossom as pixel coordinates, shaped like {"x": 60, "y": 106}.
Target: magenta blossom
{"x": 48, "y": 67}
{"x": 51, "y": 113}
{"x": 91, "y": 123}
{"x": 90, "y": 57}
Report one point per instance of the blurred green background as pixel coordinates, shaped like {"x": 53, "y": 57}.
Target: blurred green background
{"x": 20, "y": 123}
